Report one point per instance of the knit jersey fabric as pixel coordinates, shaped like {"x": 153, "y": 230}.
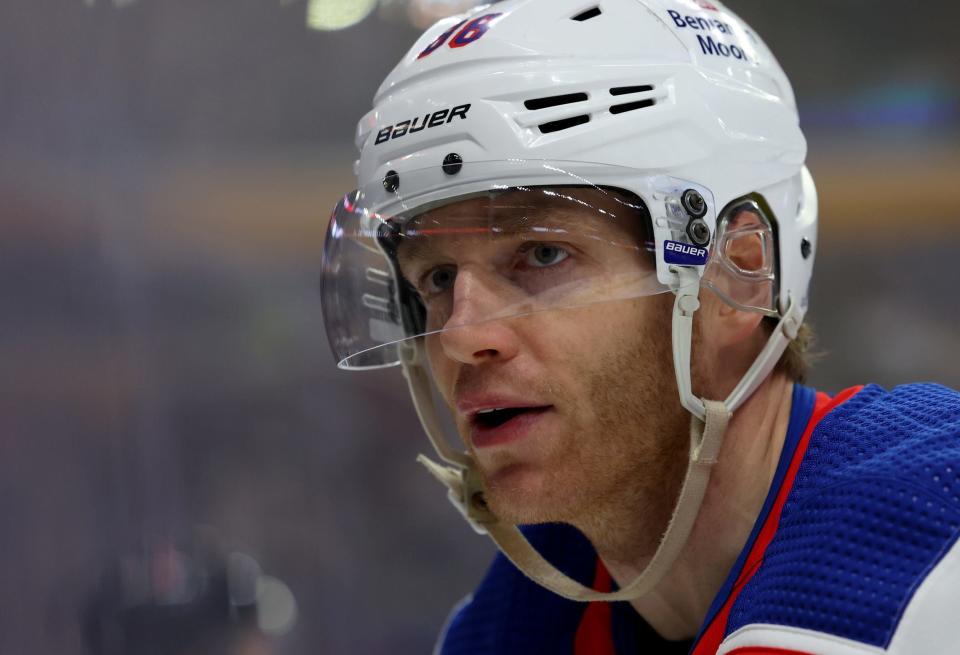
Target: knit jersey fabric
{"x": 863, "y": 508}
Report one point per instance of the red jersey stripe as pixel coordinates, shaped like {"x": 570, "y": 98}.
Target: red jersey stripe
{"x": 595, "y": 632}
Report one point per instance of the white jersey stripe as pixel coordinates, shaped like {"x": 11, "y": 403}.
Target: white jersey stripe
{"x": 795, "y": 639}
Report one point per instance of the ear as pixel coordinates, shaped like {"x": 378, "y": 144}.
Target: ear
{"x": 729, "y": 342}
{"x": 726, "y": 327}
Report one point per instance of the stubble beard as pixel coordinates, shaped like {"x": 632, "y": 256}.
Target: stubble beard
{"x": 617, "y": 470}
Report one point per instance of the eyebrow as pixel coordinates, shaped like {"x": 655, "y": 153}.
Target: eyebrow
{"x": 411, "y": 248}
{"x": 496, "y": 219}
{"x": 503, "y": 220}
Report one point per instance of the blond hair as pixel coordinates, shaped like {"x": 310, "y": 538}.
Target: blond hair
{"x": 799, "y": 357}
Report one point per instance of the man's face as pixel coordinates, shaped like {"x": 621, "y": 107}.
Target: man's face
{"x": 560, "y": 384}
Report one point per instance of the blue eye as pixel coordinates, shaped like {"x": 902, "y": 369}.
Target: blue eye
{"x": 542, "y": 255}
{"x": 440, "y": 279}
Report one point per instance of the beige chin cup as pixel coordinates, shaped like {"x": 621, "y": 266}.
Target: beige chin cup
{"x": 709, "y": 421}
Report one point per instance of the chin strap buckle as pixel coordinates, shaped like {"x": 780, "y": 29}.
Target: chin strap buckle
{"x": 465, "y": 492}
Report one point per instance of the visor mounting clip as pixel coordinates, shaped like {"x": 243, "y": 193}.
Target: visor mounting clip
{"x": 694, "y": 203}
{"x": 699, "y": 232}
{"x": 696, "y": 207}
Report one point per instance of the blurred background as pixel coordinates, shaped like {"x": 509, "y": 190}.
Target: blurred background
{"x": 182, "y": 467}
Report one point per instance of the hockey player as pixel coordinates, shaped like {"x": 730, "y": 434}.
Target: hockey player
{"x": 586, "y": 232}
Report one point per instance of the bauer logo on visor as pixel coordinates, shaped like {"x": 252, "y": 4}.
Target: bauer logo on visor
{"x": 683, "y": 254}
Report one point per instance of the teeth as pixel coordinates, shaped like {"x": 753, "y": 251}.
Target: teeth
{"x": 489, "y": 411}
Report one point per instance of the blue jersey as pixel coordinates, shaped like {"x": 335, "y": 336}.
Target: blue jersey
{"x": 854, "y": 552}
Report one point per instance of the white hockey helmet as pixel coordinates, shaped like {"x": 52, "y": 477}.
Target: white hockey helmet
{"x": 672, "y": 113}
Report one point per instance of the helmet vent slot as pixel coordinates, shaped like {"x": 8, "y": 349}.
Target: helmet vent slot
{"x": 592, "y": 12}
{"x": 554, "y": 101}
{"x": 563, "y": 124}
{"x": 630, "y": 106}
{"x": 626, "y": 90}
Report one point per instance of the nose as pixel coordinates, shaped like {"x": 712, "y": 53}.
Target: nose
{"x": 476, "y": 331}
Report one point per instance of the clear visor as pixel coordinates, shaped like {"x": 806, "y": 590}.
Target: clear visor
{"x": 401, "y": 265}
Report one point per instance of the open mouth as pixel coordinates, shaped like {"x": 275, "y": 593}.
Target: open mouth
{"x": 488, "y": 419}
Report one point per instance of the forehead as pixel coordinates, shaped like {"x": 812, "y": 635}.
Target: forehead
{"x": 574, "y": 211}
{"x": 571, "y": 203}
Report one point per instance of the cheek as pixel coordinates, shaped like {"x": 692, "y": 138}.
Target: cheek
{"x": 588, "y": 354}
{"x": 439, "y": 312}
{"x": 587, "y": 333}
{"x": 442, "y": 368}
{"x": 621, "y": 353}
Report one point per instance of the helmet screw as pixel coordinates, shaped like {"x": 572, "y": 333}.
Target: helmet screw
{"x": 699, "y": 232}
{"x": 391, "y": 181}
{"x": 452, "y": 163}
{"x": 806, "y": 248}
{"x": 694, "y": 203}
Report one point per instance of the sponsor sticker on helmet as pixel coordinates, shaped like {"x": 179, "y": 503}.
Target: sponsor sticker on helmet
{"x": 713, "y": 35}
{"x": 684, "y": 254}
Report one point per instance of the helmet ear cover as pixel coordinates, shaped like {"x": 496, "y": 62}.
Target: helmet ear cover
{"x": 744, "y": 267}
{"x": 769, "y": 218}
